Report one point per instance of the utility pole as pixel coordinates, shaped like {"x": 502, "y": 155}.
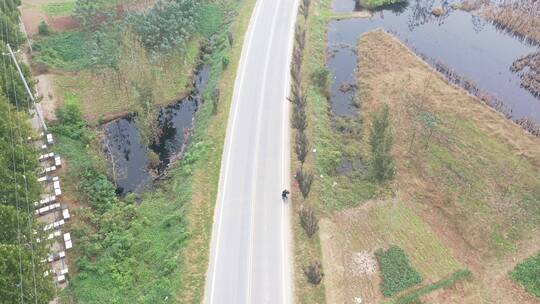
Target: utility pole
{"x": 25, "y": 34}
{"x": 41, "y": 120}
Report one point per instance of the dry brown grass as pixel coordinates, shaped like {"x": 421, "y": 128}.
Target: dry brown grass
{"x": 521, "y": 17}
{"x": 467, "y": 172}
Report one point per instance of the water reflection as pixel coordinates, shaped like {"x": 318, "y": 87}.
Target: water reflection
{"x": 129, "y": 156}
{"x": 466, "y": 43}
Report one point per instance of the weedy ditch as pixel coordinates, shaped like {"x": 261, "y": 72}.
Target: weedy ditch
{"x": 135, "y": 165}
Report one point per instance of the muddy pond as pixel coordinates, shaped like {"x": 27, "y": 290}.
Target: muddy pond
{"x": 472, "y": 47}
{"x": 130, "y": 156}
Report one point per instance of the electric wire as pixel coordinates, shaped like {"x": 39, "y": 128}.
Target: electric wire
{"x": 24, "y": 164}
{"x": 12, "y": 141}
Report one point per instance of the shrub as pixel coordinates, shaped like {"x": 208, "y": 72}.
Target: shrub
{"x": 299, "y": 120}
{"x": 215, "y": 100}
{"x": 381, "y": 141}
{"x": 153, "y": 160}
{"x": 308, "y": 221}
{"x": 527, "y": 274}
{"x": 314, "y": 273}
{"x": 301, "y": 146}
{"x": 397, "y": 273}
{"x": 98, "y": 189}
{"x": 44, "y": 29}
{"x": 225, "y": 62}
{"x": 70, "y": 121}
{"x": 321, "y": 78}
{"x": 305, "y": 179}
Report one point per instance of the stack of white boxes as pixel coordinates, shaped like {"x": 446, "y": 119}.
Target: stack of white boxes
{"x": 46, "y": 207}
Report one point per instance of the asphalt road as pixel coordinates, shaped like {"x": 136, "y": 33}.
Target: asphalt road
{"x": 250, "y": 259}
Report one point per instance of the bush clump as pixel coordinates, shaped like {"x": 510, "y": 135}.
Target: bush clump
{"x": 314, "y": 273}
{"x": 308, "y": 221}
{"x": 44, "y": 29}
{"x": 381, "y": 141}
{"x": 397, "y": 273}
{"x": 527, "y": 274}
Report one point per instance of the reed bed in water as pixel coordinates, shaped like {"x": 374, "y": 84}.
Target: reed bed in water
{"x": 521, "y": 17}
{"x": 528, "y": 68}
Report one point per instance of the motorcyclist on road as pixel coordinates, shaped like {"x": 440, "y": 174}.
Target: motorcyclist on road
{"x": 284, "y": 193}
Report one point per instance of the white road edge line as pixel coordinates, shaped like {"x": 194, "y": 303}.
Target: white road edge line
{"x": 236, "y": 97}
{"x": 257, "y": 143}
{"x": 285, "y": 179}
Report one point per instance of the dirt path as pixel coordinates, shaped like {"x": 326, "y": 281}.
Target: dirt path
{"x": 50, "y": 102}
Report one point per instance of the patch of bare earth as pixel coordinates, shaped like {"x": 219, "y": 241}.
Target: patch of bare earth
{"x": 32, "y": 15}
{"x": 49, "y": 101}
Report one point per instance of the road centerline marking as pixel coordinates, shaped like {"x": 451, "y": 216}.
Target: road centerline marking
{"x": 236, "y": 100}
{"x": 257, "y": 142}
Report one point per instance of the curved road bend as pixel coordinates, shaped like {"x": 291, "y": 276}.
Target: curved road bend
{"x": 249, "y": 259}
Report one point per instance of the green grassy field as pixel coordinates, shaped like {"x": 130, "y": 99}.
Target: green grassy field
{"x": 527, "y": 274}
{"x": 56, "y": 9}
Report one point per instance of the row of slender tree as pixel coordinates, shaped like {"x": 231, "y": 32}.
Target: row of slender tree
{"x": 302, "y": 146}
{"x": 22, "y": 268}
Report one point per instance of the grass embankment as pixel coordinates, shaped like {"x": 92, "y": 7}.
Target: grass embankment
{"x": 307, "y": 250}
{"x": 330, "y": 191}
{"x": 155, "y": 252}
{"x": 468, "y": 174}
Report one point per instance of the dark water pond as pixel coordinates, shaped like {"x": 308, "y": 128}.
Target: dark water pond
{"x": 470, "y": 46}
{"x": 130, "y": 155}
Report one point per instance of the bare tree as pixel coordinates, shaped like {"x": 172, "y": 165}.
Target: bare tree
{"x": 301, "y": 146}
{"x": 305, "y": 179}
{"x": 308, "y": 221}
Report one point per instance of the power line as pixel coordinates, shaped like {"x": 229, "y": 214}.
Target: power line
{"x": 41, "y": 120}
{"x": 12, "y": 135}
{"x": 24, "y": 163}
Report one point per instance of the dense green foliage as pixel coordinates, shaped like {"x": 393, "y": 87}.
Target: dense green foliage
{"x": 414, "y": 297}
{"x": 44, "y": 29}
{"x": 167, "y": 25}
{"x": 10, "y": 81}
{"x": 527, "y": 273}
{"x": 163, "y": 29}
{"x": 397, "y": 273}
{"x": 67, "y": 50}
{"x": 21, "y": 269}
{"x": 381, "y": 140}
{"x": 129, "y": 253}
{"x": 17, "y": 160}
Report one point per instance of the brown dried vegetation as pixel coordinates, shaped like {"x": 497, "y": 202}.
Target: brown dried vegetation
{"x": 521, "y": 17}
